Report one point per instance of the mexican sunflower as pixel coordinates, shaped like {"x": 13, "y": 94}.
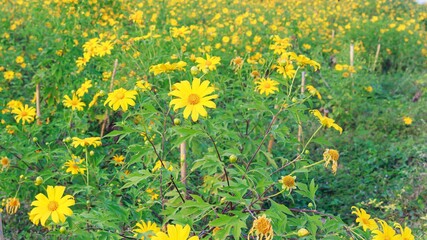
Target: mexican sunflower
{"x": 194, "y": 97}
{"x": 53, "y": 205}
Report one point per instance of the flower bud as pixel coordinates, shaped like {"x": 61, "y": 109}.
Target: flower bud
{"x": 194, "y": 70}
{"x": 38, "y": 181}
{"x": 303, "y": 232}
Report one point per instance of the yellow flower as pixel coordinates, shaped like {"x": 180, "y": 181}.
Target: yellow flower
{"x": 405, "y": 234}
{"x": 288, "y": 182}
{"x": 364, "y": 219}
{"x": 168, "y": 67}
{"x": 266, "y": 86}
{"x": 95, "y": 98}
{"x": 153, "y": 195}
{"x": 75, "y": 103}
{"x": 313, "y": 91}
{"x": 10, "y": 129}
{"x": 9, "y": 75}
{"x": 119, "y": 159}
{"x": 339, "y": 67}
{"x": 286, "y": 69}
{"x": 121, "y": 98}
{"x": 144, "y": 85}
{"x": 73, "y": 166}
{"x": 208, "y": 64}
{"x": 331, "y": 155}
{"x": 148, "y": 228}
{"x": 175, "y": 232}
{"x": 12, "y": 205}
{"x": 387, "y": 232}
{"x": 104, "y": 48}
{"x": 5, "y": 162}
{"x": 53, "y": 205}
{"x": 407, "y": 120}
{"x": 180, "y": 32}
{"x": 94, "y": 141}
{"x": 303, "y": 61}
{"x": 158, "y": 165}
{"x": 325, "y": 121}
{"x": 237, "y": 63}
{"x": 14, "y": 104}
{"x": 19, "y": 59}
{"x": 24, "y": 113}
{"x": 193, "y": 97}
{"x": 262, "y": 228}
{"x": 84, "y": 88}
{"x": 369, "y": 88}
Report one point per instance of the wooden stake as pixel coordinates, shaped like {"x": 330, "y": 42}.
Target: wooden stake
{"x": 377, "y": 54}
{"x": 352, "y": 54}
{"x": 302, "y": 92}
{"x": 1, "y": 228}
{"x": 38, "y": 114}
{"x": 116, "y": 62}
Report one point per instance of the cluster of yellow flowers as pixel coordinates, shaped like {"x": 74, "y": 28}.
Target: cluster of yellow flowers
{"x": 168, "y": 67}
{"x": 152, "y": 231}
{"x": 23, "y": 113}
{"x": 94, "y": 47}
{"x": 382, "y": 232}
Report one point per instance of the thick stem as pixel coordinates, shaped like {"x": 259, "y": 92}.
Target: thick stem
{"x": 377, "y": 54}
{"x": 299, "y": 122}
{"x": 1, "y": 228}
{"x": 183, "y": 158}
{"x": 116, "y": 62}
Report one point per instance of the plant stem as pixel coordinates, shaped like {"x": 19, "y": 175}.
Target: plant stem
{"x": 311, "y": 138}
{"x": 273, "y": 120}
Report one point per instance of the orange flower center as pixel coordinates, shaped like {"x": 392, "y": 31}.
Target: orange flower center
{"x": 52, "y": 206}
{"x": 193, "y": 99}
{"x": 4, "y": 161}
{"x": 267, "y": 85}
{"x": 14, "y": 202}
{"x": 120, "y": 95}
{"x": 208, "y": 63}
{"x": 288, "y": 181}
{"x": 24, "y": 113}
{"x": 75, "y": 103}
{"x": 74, "y": 166}
{"x": 262, "y": 225}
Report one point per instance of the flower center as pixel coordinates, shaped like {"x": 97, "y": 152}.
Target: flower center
{"x": 288, "y": 181}
{"x": 208, "y": 63}
{"x": 193, "y": 99}
{"x": 75, "y": 166}
{"x": 4, "y": 161}
{"x": 267, "y": 85}
{"x": 14, "y": 202}
{"x": 120, "y": 95}
{"x": 263, "y": 226}
{"x": 24, "y": 113}
{"x": 52, "y": 206}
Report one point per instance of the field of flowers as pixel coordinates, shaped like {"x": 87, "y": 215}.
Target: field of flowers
{"x": 215, "y": 119}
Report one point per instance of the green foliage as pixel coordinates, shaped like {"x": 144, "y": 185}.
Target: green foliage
{"x": 251, "y": 155}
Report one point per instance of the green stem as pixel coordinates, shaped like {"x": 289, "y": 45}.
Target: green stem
{"x": 311, "y": 138}
{"x": 278, "y": 193}
{"x": 292, "y": 83}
